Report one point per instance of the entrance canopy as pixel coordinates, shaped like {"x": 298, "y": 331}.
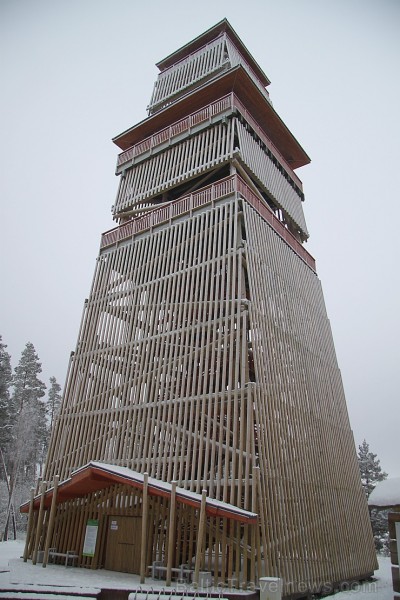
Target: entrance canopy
{"x": 97, "y": 476}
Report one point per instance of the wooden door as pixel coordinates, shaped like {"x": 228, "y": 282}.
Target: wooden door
{"x": 123, "y": 544}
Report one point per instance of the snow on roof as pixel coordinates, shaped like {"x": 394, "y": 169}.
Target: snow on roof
{"x": 167, "y": 487}
{"x": 386, "y": 493}
{"x": 97, "y": 475}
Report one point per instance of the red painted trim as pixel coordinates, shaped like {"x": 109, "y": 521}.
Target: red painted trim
{"x": 92, "y": 478}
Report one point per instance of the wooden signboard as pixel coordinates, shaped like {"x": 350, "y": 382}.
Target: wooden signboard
{"x": 89, "y": 545}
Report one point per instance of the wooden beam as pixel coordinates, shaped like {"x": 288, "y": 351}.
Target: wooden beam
{"x": 171, "y": 533}
{"x": 143, "y": 546}
{"x": 200, "y": 538}
{"x": 30, "y": 525}
{"x": 39, "y": 526}
{"x": 51, "y": 522}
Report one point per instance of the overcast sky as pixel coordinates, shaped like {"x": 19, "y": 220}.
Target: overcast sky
{"x": 74, "y": 74}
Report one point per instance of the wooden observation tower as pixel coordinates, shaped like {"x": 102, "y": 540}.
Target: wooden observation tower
{"x": 204, "y": 427}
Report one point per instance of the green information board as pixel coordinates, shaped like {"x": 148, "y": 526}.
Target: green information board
{"x": 89, "y": 546}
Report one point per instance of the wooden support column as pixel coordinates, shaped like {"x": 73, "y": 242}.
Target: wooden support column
{"x": 200, "y": 538}
{"x": 171, "y": 532}
{"x": 143, "y": 546}
{"x": 260, "y": 569}
{"x": 51, "y": 521}
{"x": 254, "y": 526}
{"x": 39, "y": 524}
{"x": 29, "y": 528}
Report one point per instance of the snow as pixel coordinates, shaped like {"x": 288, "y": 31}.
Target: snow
{"x": 17, "y": 575}
{"x": 138, "y": 478}
{"x": 386, "y": 493}
{"x": 167, "y": 487}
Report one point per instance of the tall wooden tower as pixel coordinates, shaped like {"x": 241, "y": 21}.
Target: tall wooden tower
{"x": 204, "y": 416}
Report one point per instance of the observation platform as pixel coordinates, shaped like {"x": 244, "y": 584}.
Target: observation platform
{"x": 203, "y": 197}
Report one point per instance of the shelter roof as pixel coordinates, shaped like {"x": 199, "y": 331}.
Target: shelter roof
{"x": 96, "y": 476}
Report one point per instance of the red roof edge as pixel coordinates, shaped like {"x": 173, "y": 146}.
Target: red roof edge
{"x": 96, "y": 476}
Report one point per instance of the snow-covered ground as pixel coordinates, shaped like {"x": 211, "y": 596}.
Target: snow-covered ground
{"x": 14, "y": 571}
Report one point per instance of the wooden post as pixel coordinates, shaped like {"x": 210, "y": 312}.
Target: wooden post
{"x": 51, "y": 521}
{"x": 254, "y": 527}
{"x": 39, "y": 525}
{"x": 29, "y": 528}
{"x": 260, "y": 565}
{"x": 200, "y": 536}
{"x": 171, "y": 532}
{"x": 143, "y": 547}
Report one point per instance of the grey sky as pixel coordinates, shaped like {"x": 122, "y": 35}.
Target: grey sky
{"x": 75, "y": 73}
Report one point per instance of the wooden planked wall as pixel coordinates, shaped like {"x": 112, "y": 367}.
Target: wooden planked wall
{"x": 317, "y": 524}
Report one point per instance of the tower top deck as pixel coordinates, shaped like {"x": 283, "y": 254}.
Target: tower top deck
{"x": 235, "y": 81}
{"x": 211, "y": 34}
{"x": 213, "y": 65}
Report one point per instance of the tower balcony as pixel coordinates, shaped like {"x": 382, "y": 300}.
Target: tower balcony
{"x": 203, "y": 197}
{"x": 228, "y": 103}
{"x": 188, "y": 72}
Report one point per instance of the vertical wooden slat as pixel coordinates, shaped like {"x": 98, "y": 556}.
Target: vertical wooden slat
{"x": 51, "y": 522}
{"x": 200, "y": 539}
{"x": 143, "y": 547}
{"x": 171, "y": 533}
{"x": 39, "y": 526}
{"x": 30, "y": 526}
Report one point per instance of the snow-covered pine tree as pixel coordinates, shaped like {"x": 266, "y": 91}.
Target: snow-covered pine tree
{"x": 29, "y": 431}
{"x": 5, "y": 383}
{"x": 31, "y": 412}
{"x": 371, "y": 473}
{"x": 53, "y": 401}
{"x": 370, "y": 468}
{"x": 6, "y": 424}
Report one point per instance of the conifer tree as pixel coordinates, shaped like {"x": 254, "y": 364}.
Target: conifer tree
{"x": 29, "y": 431}
{"x": 6, "y": 424}
{"x": 5, "y": 383}
{"x": 30, "y": 411}
{"x": 370, "y": 468}
{"x": 53, "y": 401}
{"x": 371, "y": 473}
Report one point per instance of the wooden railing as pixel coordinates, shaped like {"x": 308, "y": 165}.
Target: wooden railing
{"x": 204, "y": 196}
{"x": 161, "y": 215}
{"x": 168, "y": 133}
{"x": 229, "y": 101}
{"x": 267, "y": 214}
{"x": 270, "y": 145}
{"x": 187, "y": 71}
{"x": 237, "y": 58}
